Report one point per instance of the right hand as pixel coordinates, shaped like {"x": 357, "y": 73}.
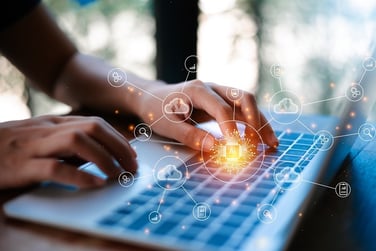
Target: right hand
{"x": 31, "y": 150}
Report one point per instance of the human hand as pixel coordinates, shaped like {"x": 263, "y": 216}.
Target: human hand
{"x": 208, "y": 101}
{"x": 31, "y": 150}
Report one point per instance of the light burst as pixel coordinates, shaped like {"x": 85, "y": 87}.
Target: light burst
{"x": 233, "y": 152}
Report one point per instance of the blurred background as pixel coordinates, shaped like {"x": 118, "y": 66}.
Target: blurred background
{"x": 317, "y": 44}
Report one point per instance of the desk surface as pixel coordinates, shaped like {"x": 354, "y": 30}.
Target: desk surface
{"x": 331, "y": 224}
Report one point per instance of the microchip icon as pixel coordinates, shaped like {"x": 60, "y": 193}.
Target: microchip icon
{"x": 232, "y": 151}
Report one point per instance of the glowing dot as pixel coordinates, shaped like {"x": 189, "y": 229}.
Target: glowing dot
{"x": 337, "y": 128}
{"x": 247, "y": 109}
{"x": 300, "y": 214}
{"x": 249, "y": 117}
{"x": 116, "y": 111}
{"x": 130, "y": 127}
{"x": 332, "y": 85}
{"x": 352, "y": 114}
{"x": 217, "y": 201}
{"x": 197, "y": 144}
{"x": 129, "y": 203}
{"x": 183, "y": 227}
{"x": 234, "y": 203}
{"x": 161, "y": 201}
{"x": 313, "y": 125}
{"x": 348, "y": 126}
{"x": 146, "y": 231}
{"x": 365, "y": 99}
{"x": 149, "y": 186}
{"x": 167, "y": 147}
{"x": 288, "y": 130}
{"x": 139, "y": 93}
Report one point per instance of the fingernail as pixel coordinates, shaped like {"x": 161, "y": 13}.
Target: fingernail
{"x": 134, "y": 153}
{"x": 209, "y": 143}
{"x": 274, "y": 141}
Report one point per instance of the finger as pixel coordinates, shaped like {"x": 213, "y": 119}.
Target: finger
{"x": 114, "y": 142}
{"x": 267, "y": 132}
{"x": 76, "y": 142}
{"x": 189, "y": 135}
{"x": 38, "y": 170}
{"x": 106, "y": 135}
{"x": 214, "y": 105}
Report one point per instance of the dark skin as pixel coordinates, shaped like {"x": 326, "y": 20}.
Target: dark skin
{"x": 31, "y": 150}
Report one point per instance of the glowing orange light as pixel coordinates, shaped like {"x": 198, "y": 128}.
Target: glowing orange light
{"x": 116, "y": 111}
{"x": 233, "y": 152}
{"x": 348, "y": 126}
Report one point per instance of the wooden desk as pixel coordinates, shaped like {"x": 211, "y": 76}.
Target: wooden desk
{"x": 332, "y": 224}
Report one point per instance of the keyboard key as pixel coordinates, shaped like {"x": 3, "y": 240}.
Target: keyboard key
{"x": 191, "y": 233}
{"x": 218, "y": 239}
{"x": 291, "y": 136}
{"x": 165, "y": 226}
{"x": 111, "y": 220}
{"x": 291, "y": 158}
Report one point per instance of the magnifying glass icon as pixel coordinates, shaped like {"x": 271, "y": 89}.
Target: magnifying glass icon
{"x": 143, "y": 131}
{"x": 267, "y": 214}
{"x": 367, "y": 132}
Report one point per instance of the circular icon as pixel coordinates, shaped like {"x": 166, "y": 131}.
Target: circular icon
{"x": 201, "y": 211}
{"x": 191, "y": 63}
{"x": 155, "y": 217}
{"x": 367, "y": 132}
{"x": 234, "y": 94}
{"x": 369, "y": 64}
{"x": 323, "y": 140}
{"x": 116, "y": 77}
{"x": 267, "y": 213}
{"x": 170, "y": 172}
{"x": 239, "y": 151}
{"x": 276, "y": 70}
{"x": 177, "y": 107}
{"x": 354, "y": 93}
{"x": 287, "y": 176}
{"x": 142, "y": 132}
{"x": 343, "y": 189}
{"x": 126, "y": 179}
{"x": 285, "y": 107}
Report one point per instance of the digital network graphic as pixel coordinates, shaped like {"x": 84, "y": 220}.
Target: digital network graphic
{"x": 240, "y": 152}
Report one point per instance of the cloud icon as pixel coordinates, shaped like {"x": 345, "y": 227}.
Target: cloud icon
{"x": 287, "y": 175}
{"x": 169, "y": 172}
{"x": 176, "y": 106}
{"x": 286, "y": 105}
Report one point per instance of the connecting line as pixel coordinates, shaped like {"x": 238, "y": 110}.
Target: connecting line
{"x": 200, "y": 162}
{"x": 361, "y": 78}
{"x": 160, "y": 201}
{"x": 193, "y": 121}
{"x": 189, "y": 195}
{"x": 280, "y": 84}
{"x": 275, "y": 196}
{"x": 156, "y": 121}
{"x": 234, "y": 112}
{"x": 166, "y": 142}
{"x": 323, "y": 100}
{"x": 345, "y": 135}
{"x": 151, "y": 94}
{"x": 265, "y": 125}
{"x": 185, "y": 82}
{"x": 318, "y": 184}
{"x": 306, "y": 127}
{"x": 142, "y": 177}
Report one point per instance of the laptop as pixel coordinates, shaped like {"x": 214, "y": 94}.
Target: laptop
{"x": 180, "y": 199}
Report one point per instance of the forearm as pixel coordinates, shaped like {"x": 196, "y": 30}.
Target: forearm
{"x": 83, "y": 83}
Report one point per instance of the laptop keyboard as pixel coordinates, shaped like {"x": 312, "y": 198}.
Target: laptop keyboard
{"x": 233, "y": 205}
